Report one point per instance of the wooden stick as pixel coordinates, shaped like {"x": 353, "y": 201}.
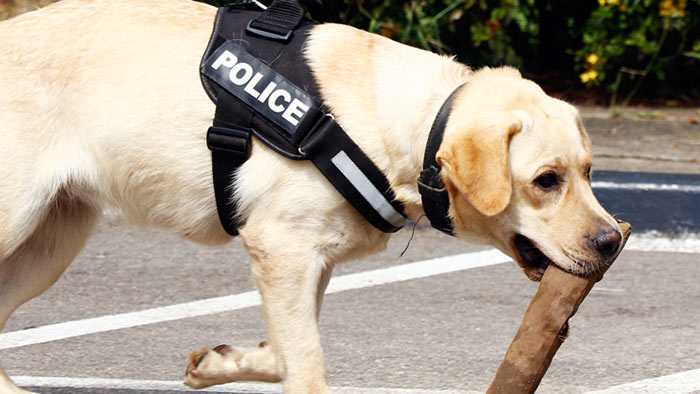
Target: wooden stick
{"x": 544, "y": 327}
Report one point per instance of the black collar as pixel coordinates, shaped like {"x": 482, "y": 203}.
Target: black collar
{"x": 436, "y": 201}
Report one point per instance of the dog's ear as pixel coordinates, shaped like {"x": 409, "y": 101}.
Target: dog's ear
{"x": 475, "y": 155}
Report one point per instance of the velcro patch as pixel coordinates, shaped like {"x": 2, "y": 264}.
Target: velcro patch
{"x": 261, "y": 88}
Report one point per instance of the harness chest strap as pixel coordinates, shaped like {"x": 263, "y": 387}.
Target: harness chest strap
{"x": 252, "y": 98}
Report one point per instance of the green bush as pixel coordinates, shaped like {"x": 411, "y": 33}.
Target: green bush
{"x": 623, "y": 47}
{"x": 626, "y": 42}
{"x": 479, "y": 32}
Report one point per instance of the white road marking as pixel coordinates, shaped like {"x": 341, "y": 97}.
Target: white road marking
{"x": 644, "y": 186}
{"x": 75, "y": 328}
{"x": 209, "y": 306}
{"x": 397, "y": 273}
{"x": 165, "y": 385}
{"x": 650, "y": 242}
{"x": 678, "y": 383}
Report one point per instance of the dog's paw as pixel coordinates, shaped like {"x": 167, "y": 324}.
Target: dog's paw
{"x": 208, "y": 367}
{"x": 224, "y": 364}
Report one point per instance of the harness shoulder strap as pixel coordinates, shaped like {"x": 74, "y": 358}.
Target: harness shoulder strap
{"x": 229, "y": 139}
{"x": 354, "y": 175}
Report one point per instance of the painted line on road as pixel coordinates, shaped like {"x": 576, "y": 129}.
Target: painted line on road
{"x": 364, "y": 279}
{"x": 75, "y": 328}
{"x": 170, "y": 385}
{"x": 209, "y": 306}
{"x": 678, "y": 383}
{"x": 647, "y": 186}
{"x": 649, "y": 242}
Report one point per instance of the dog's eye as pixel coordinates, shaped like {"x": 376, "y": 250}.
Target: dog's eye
{"x": 547, "y": 181}
{"x": 588, "y": 173}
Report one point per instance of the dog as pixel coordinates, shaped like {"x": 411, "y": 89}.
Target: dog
{"x": 101, "y": 105}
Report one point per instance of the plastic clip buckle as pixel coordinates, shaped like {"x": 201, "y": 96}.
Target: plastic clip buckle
{"x": 430, "y": 185}
{"x": 268, "y": 34}
{"x": 232, "y": 141}
{"x": 316, "y": 133}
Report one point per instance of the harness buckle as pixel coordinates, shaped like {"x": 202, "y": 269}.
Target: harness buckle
{"x": 430, "y": 185}
{"x": 316, "y": 133}
{"x": 232, "y": 141}
{"x": 268, "y": 34}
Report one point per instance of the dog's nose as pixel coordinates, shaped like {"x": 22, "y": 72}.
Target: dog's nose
{"x": 607, "y": 241}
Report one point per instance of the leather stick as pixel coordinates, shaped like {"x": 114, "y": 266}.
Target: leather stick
{"x": 545, "y": 326}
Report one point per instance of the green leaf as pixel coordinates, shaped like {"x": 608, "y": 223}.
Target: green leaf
{"x": 660, "y": 74}
{"x": 520, "y": 19}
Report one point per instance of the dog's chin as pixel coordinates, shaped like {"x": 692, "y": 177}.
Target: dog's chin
{"x": 534, "y": 262}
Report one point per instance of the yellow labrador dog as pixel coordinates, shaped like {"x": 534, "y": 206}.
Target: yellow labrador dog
{"x": 101, "y": 105}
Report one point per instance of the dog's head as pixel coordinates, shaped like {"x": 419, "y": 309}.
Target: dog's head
{"x": 517, "y": 166}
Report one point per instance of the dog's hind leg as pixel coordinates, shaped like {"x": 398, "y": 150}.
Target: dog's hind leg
{"x": 39, "y": 260}
{"x": 224, "y": 363}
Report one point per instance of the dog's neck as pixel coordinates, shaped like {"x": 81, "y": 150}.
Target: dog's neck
{"x": 413, "y": 126}
{"x": 386, "y": 95}
{"x": 408, "y": 117}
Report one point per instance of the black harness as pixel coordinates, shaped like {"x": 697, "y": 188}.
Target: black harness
{"x": 255, "y": 72}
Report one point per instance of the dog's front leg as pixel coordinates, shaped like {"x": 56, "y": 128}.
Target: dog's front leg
{"x": 292, "y": 292}
{"x": 289, "y": 289}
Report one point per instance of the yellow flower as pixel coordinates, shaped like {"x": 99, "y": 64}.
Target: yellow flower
{"x": 589, "y": 76}
{"x": 669, "y": 8}
{"x": 613, "y": 1}
{"x": 601, "y": 2}
{"x": 592, "y": 58}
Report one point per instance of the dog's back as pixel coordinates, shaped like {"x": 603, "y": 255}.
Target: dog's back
{"x": 91, "y": 87}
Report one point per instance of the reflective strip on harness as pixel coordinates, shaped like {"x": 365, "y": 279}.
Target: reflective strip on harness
{"x": 363, "y": 185}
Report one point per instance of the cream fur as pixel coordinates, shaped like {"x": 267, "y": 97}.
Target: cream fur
{"x": 108, "y": 111}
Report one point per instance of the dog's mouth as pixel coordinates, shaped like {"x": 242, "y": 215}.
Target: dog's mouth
{"x": 533, "y": 261}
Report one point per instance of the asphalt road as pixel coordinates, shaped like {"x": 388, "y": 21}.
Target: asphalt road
{"x": 438, "y": 333}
